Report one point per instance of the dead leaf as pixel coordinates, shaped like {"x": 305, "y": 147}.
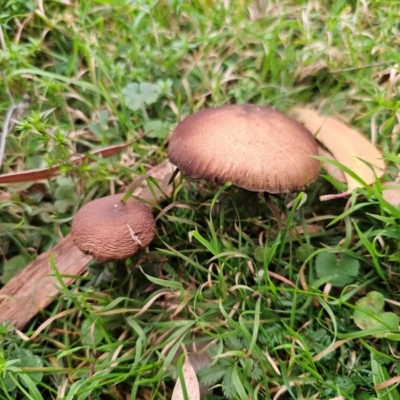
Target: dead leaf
{"x": 391, "y": 193}
{"x": 199, "y": 358}
{"x": 148, "y": 190}
{"x": 46, "y": 173}
{"x": 191, "y": 383}
{"x": 331, "y": 169}
{"x": 347, "y": 145}
{"x": 311, "y": 229}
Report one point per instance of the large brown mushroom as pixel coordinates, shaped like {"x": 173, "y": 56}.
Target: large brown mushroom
{"x": 110, "y": 229}
{"x": 253, "y": 147}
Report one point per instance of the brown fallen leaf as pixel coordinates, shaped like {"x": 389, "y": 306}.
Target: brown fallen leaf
{"x": 347, "y": 145}
{"x": 46, "y": 173}
{"x": 35, "y": 287}
{"x": 391, "y": 193}
{"x": 191, "y": 382}
{"x": 331, "y": 169}
{"x": 199, "y": 358}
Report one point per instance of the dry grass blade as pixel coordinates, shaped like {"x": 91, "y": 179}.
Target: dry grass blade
{"x": 387, "y": 383}
{"x": 34, "y": 288}
{"x": 347, "y": 145}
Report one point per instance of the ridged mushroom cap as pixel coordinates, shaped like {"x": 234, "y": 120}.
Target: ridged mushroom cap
{"x": 111, "y": 229}
{"x": 254, "y": 147}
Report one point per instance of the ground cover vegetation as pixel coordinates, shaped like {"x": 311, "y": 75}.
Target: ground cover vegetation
{"x": 306, "y": 310}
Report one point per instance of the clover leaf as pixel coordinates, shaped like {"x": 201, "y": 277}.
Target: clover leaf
{"x": 20, "y": 358}
{"x": 156, "y": 129}
{"x": 369, "y": 314}
{"x": 342, "y": 270}
{"x": 136, "y": 95}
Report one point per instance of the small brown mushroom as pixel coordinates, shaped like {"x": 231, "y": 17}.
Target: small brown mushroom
{"x": 254, "y": 147}
{"x": 110, "y": 229}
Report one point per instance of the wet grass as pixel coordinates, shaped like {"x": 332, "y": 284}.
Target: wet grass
{"x": 277, "y": 327}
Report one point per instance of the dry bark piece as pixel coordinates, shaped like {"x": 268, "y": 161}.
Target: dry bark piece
{"x": 30, "y": 291}
{"x": 111, "y": 229}
{"x": 254, "y": 147}
{"x": 347, "y": 145}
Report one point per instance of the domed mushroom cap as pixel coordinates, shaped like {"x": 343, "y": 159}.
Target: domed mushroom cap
{"x": 111, "y": 229}
{"x": 254, "y": 147}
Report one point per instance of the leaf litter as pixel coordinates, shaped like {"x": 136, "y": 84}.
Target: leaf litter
{"x": 391, "y": 192}
{"x": 191, "y": 382}
{"x": 348, "y": 146}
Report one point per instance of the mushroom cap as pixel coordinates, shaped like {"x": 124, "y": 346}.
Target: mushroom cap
{"x": 254, "y": 147}
{"x": 111, "y": 229}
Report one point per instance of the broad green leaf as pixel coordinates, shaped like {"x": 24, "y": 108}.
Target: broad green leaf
{"x": 136, "y": 95}
{"x": 12, "y": 267}
{"x": 156, "y": 129}
{"x": 303, "y": 252}
{"x": 20, "y": 358}
{"x": 342, "y": 270}
{"x": 65, "y": 195}
{"x": 259, "y": 254}
{"x": 62, "y": 205}
{"x": 90, "y": 334}
{"x": 369, "y": 314}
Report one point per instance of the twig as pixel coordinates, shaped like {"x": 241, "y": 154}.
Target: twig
{"x": 378, "y": 64}
{"x": 17, "y": 110}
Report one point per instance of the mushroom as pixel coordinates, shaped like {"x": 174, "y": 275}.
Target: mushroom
{"x": 253, "y": 147}
{"x": 111, "y": 229}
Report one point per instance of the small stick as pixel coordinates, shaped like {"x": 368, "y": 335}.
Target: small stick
{"x": 327, "y": 197}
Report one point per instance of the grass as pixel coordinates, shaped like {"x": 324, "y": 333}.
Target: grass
{"x": 278, "y": 329}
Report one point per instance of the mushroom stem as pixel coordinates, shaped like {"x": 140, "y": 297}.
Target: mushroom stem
{"x": 273, "y": 209}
